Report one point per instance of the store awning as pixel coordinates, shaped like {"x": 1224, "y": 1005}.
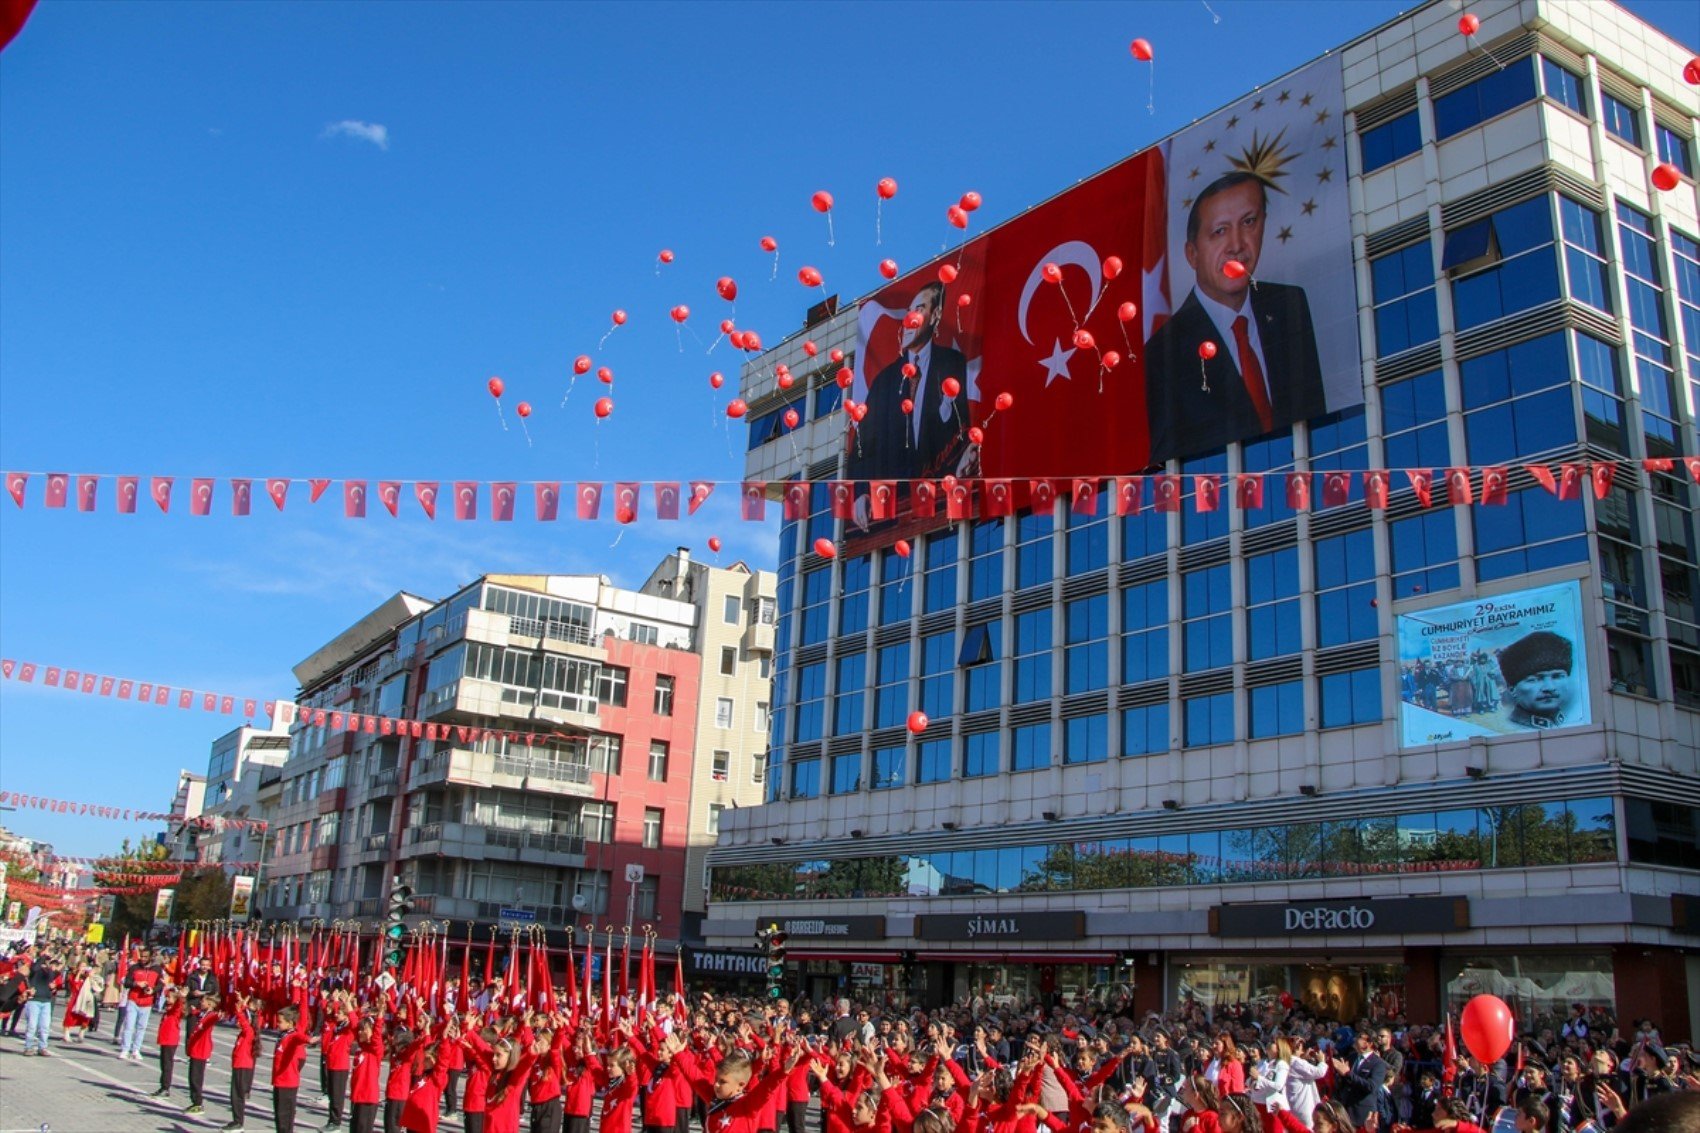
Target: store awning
{"x": 1018, "y": 957}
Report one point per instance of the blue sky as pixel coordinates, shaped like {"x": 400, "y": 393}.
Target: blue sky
{"x": 200, "y": 275}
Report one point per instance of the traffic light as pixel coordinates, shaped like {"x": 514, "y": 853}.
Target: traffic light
{"x": 774, "y": 937}
{"x": 395, "y": 929}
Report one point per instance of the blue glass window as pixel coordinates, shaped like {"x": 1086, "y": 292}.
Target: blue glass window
{"x": 1339, "y": 441}
{"x": 1352, "y": 697}
{"x": 770, "y": 425}
{"x": 1517, "y": 271}
{"x": 1207, "y": 609}
{"x": 1277, "y": 710}
{"x": 1031, "y": 746}
{"x": 985, "y": 674}
{"x": 1088, "y": 547}
{"x": 1033, "y": 557}
{"x": 1345, "y": 589}
{"x": 888, "y": 768}
{"x": 1483, "y": 99}
{"x": 1210, "y": 720}
{"x": 980, "y": 755}
{"x": 941, "y": 571}
{"x": 985, "y": 561}
{"x": 932, "y": 761}
{"x": 1144, "y": 535}
{"x": 1272, "y": 604}
{"x": 821, "y": 523}
{"x": 1564, "y": 87}
{"x": 1533, "y": 531}
{"x": 828, "y": 398}
{"x": 853, "y": 604}
{"x": 811, "y": 701}
{"x": 1585, "y": 267}
{"x": 1403, "y": 285}
{"x": 1530, "y": 422}
{"x": 1086, "y": 739}
{"x": 1272, "y": 456}
{"x": 1087, "y": 656}
{"x": 1674, "y": 148}
{"x": 1425, "y": 553}
{"x": 1413, "y": 421}
{"x": 1686, "y": 258}
{"x": 1032, "y": 656}
{"x": 847, "y": 773}
{"x": 1602, "y": 392}
{"x": 848, "y": 698}
{"x": 1203, "y": 526}
{"x": 1390, "y": 141}
{"x": 805, "y": 779}
{"x": 891, "y": 697}
{"x": 1145, "y": 729}
{"x": 897, "y": 590}
{"x": 1620, "y": 119}
{"x": 938, "y": 674}
{"x": 1145, "y": 637}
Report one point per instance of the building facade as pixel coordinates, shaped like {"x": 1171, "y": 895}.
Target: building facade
{"x": 237, "y": 766}
{"x": 184, "y": 835}
{"x": 1270, "y": 744}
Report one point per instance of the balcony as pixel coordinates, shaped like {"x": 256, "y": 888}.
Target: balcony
{"x": 383, "y": 783}
{"x": 758, "y": 638}
{"x": 375, "y": 843}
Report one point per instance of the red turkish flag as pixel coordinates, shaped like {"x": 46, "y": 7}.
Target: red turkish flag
{"x": 209, "y": 702}
{"x": 924, "y": 498}
{"x": 667, "y": 501}
{"x": 502, "y": 501}
{"x": 315, "y": 489}
{"x": 1248, "y": 491}
{"x": 466, "y": 499}
{"x": 58, "y": 489}
{"x": 354, "y": 499}
{"x": 26, "y": 672}
{"x": 107, "y": 684}
{"x": 1422, "y": 482}
{"x": 89, "y": 680}
{"x": 200, "y": 496}
{"x": 1693, "y": 463}
{"x": 389, "y": 495}
{"x": 1604, "y": 475}
{"x": 1129, "y": 493}
{"x": 1298, "y": 491}
{"x": 882, "y": 499}
{"x": 278, "y": 490}
{"x": 336, "y": 722}
{"x": 958, "y": 500}
{"x": 160, "y": 489}
{"x": 15, "y": 483}
{"x": 548, "y": 500}
{"x": 996, "y": 497}
{"x": 1207, "y": 492}
{"x": 386, "y": 726}
{"x": 425, "y": 491}
{"x": 51, "y": 679}
{"x": 129, "y": 489}
{"x": 248, "y": 707}
{"x": 1570, "y": 481}
{"x": 626, "y": 500}
{"x": 699, "y": 495}
{"x": 7, "y": 668}
{"x": 371, "y": 725}
{"x": 1458, "y": 486}
{"x": 162, "y": 694}
{"x": 1084, "y": 498}
{"x": 1493, "y": 486}
{"x": 1658, "y": 464}
{"x": 87, "y": 486}
{"x": 125, "y": 688}
{"x": 797, "y": 500}
{"x": 589, "y": 500}
{"x": 144, "y": 693}
{"x": 241, "y": 497}
{"x": 1336, "y": 488}
{"x": 318, "y": 717}
{"x": 227, "y": 704}
{"x": 1543, "y": 476}
{"x": 1166, "y": 490}
{"x": 72, "y": 676}
{"x": 843, "y": 499}
{"x": 185, "y": 699}
{"x": 754, "y": 501}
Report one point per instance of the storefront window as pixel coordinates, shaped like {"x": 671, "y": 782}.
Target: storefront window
{"x": 1334, "y": 991}
{"x": 1539, "y": 988}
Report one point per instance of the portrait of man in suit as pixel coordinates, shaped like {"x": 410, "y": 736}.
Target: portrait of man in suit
{"x": 1265, "y": 373}
{"x": 931, "y": 437}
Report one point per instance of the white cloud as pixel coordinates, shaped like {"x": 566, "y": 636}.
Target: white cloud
{"x": 375, "y": 132}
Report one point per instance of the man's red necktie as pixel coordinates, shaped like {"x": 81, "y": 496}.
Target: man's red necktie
{"x": 1252, "y": 371}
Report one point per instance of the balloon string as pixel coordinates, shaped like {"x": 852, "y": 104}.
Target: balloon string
{"x": 1128, "y": 341}
{"x": 572, "y": 381}
{"x": 605, "y": 335}
{"x": 1070, "y": 305}
{"x": 715, "y": 343}
{"x": 829, "y": 240}
{"x": 618, "y": 535}
{"x": 879, "y": 208}
{"x": 1214, "y": 18}
{"x": 775, "y": 274}
{"x": 693, "y": 333}
{"x": 500, "y": 416}
{"x": 1151, "y": 95}
{"x": 1488, "y": 53}
{"x": 680, "y": 338}
{"x": 526, "y": 431}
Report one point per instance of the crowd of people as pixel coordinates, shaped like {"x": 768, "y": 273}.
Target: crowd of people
{"x": 493, "y": 1054}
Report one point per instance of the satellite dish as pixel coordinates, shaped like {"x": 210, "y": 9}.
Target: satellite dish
{"x": 579, "y": 902}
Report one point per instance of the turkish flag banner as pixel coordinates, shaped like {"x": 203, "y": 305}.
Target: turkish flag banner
{"x": 1658, "y": 464}
{"x": 1693, "y": 463}
{"x": 626, "y": 496}
{"x": 882, "y": 499}
{"x": 248, "y": 707}
{"x": 1166, "y": 493}
{"x": 466, "y": 499}
{"x": 1604, "y": 475}
{"x": 71, "y": 678}
{"x": 1543, "y": 476}
{"x": 924, "y": 499}
{"x": 87, "y": 486}
{"x": 1042, "y": 495}
{"x": 315, "y": 489}
{"x": 354, "y": 499}
{"x": 1422, "y": 482}
{"x": 1458, "y": 487}
{"x": 589, "y": 500}
{"x": 1207, "y": 493}
{"x": 1248, "y": 491}
{"x": 161, "y": 694}
{"x": 699, "y": 495}
{"x": 1129, "y": 493}
{"x": 1083, "y": 497}
{"x": 7, "y": 668}
{"x": 796, "y": 500}
{"x": 209, "y": 702}
{"x": 336, "y": 722}
{"x": 160, "y": 490}
{"x": 241, "y": 497}
{"x": 51, "y": 679}
{"x": 144, "y": 693}
{"x": 129, "y": 489}
{"x": 754, "y": 501}
{"x": 667, "y": 501}
{"x": 15, "y": 484}
{"x": 26, "y": 672}
{"x": 200, "y": 496}
{"x": 58, "y": 489}
{"x": 107, "y": 684}
{"x": 958, "y": 500}
{"x": 319, "y": 715}
{"x": 278, "y": 490}
{"x": 1493, "y": 486}
{"x": 425, "y": 491}
{"x": 1570, "y": 481}
{"x": 996, "y": 498}
{"x": 843, "y": 499}
{"x": 227, "y": 704}
{"x": 386, "y": 726}
{"x": 389, "y": 494}
{"x": 548, "y": 500}
{"x": 1336, "y": 489}
{"x": 371, "y": 725}
{"x": 185, "y": 699}
{"x": 89, "y": 680}
{"x": 502, "y": 501}
{"x": 1298, "y": 491}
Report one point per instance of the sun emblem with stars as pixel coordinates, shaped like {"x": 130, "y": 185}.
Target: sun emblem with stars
{"x": 1265, "y": 159}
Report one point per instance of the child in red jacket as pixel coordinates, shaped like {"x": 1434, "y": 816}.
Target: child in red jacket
{"x": 366, "y": 1064}
{"x": 169, "y": 1038}
{"x": 201, "y": 1024}
{"x": 287, "y": 1060}
{"x": 241, "y": 1064}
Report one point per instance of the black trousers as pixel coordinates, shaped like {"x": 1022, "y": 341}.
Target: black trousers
{"x": 13, "y": 1020}
{"x": 197, "y": 1079}
{"x": 338, "y": 1091}
{"x": 283, "y": 1108}
{"x": 546, "y": 1116}
{"x": 392, "y": 1115}
{"x": 795, "y": 1114}
{"x": 577, "y": 1124}
{"x": 167, "y": 1066}
{"x": 364, "y": 1118}
{"x": 241, "y": 1081}
{"x": 451, "y": 1091}
{"x": 474, "y": 1123}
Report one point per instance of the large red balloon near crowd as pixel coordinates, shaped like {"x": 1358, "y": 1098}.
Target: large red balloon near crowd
{"x": 1487, "y": 1027}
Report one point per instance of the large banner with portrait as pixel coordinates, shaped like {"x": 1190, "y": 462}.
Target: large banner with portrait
{"x": 1197, "y": 293}
{"x": 1494, "y": 666}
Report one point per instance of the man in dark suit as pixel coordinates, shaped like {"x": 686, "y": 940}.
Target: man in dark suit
{"x": 1358, "y": 1084}
{"x": 1265, "y": 373}
{"x": 929, "y": 438}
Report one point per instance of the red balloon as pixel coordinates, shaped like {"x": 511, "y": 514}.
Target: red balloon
{"x": 1691, "y": 73}
{"x": 1141, "y": 49}
{"x": 857, "y": 410}
{"x": 810, "y": 348}
{"x": 809, "y": 277}
{"x": 716, "y": 380}
{"x": 1083, "y": 339}
{"x": 950, "y": 387}
{"x": 825, "y": 549}
{"x": 666, "y": 255}
{"x": 1665, "y": 177}
{"x": 495, "y": 386}
{"x": 976, "y": 435}
{"x": 726, "y": 327}
{"x": 1052, "y": 273}
{"x": 886, "y": 188}
{"x": 786, "y": 381}
{"x": 909, "y": 370}
{"x": 914, "y": 319}
{"x": 965, "y": 300}
{"x": 907, "y": 405}
{"x": 1233, "y": 269}
{"x": 523, "y": 409}
{"x": 680, "y": 313}
{"x": 947, "y": 273}
{"x": 581, "y": 364}
{"x": 727, "y": 286}
{"x": 1127, "y": 312}
{"x": 752, "y": 340}
{"x": 736, "y": 338}
{"x": 604, "y": 406}
{"x": 970, "y": 201}
{"x": 1111, "y": 359}
{"x": 1469, "y": 23}
{"x": 769, "y": 244}
{"x": 918, "y": 722}
{"x": 957, "y": 215}
{"x": 1207, "y": 350}
{"x": 736, "y": 407}
{"x": 822, "y": 200}
{"x": 846, "y": 378}
{"x": 625, "y": 513}
{"x": 1004, "y": 400}
{"x": 714, "y": 543}
{"x": 782, "y": 370}
{"x": 835, "y": 355}
{"x": 605, "y": 375}
{"x": 888, "y": 268}
{"x": 1487, "y": 1027}
{"x": 902, "y": 548}
{"x": 619, "y": 317}
{"x": 1112, "y": 266}
{"x": 791, "y": 418}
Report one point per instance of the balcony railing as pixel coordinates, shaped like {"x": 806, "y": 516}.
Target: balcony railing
{"x": 375, "y": 843}
{"x": 527, "y": 768}
{"x": 428, "y": 832}
{"x": 551, "y": 629}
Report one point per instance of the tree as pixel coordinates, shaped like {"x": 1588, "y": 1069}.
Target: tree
{"x": 202, "y": 896}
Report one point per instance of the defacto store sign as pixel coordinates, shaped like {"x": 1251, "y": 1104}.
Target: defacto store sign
{"x": 1342, "y": 918}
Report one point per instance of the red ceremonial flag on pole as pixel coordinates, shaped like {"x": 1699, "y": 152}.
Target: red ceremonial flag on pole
{"x": 425, "y": 491}
{"x": 589, "y": 956}
{"x": 589, "y": 500}
{"x": 667, "y": 500}
{"x": 278, "y": 490}
{"x": 502, "y": 501}
{"x": 700, "y": 490}
{"x": 466, "y": 499}
{"x": 548, "y": 500}
{"x": 608, "y": 981}
{"x": 572, "y": 986}
{"x": 87, "y": 486}
{"x": 354, "y": 499}
{"x": 1449, "y": 1070}
{"x": 679, "y": 985}
{"x": 241, "y": 497}
{"x": 389, "y": 494}
{"x": 625, "y": 966}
